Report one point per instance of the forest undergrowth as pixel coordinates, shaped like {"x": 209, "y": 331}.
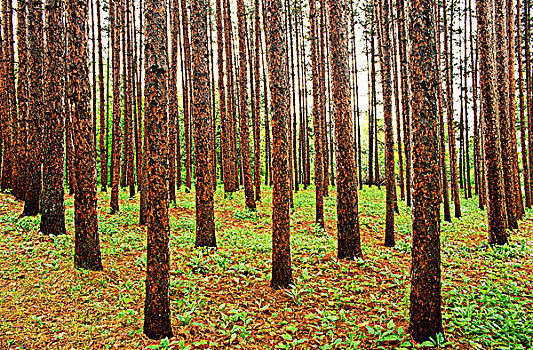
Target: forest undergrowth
{"x": 221, "y": 299}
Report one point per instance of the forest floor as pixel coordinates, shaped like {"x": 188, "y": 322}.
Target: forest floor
{"x": 221, "y": 299}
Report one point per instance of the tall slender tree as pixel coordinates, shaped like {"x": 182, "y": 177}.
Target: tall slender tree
{"x": 502, "y": 105}
{"x": 523, "y": 136}
{"x": 496, "y": 211}
{"x": 117, "y": 129}
{"x": 205, "y": 217}
{"x": 425, "y": 319}
{"x": 454, "y": 183}
{"x": 87, "y": 243}
{"x": 244, "y": 128}
{"x": 277, "y": 70}
{"x": 157, "y": 323}
{"x": 317, "y": 119}
{"x": 35, "y": 48}
{"x": 53, "y": 191}
{"x": 22, "y": 97}
{"x": 349, "y": 241}
{"x": 390, "y": 176}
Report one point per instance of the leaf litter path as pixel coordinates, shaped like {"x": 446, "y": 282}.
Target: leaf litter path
{"x": 221, "y": 299}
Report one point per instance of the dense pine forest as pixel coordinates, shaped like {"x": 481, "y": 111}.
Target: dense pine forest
{"x": 288, "y": 174}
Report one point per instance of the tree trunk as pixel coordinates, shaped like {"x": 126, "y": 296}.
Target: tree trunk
{"x": 244, "y": 127}
{"x": 22, "y": 97}
{"x": 205, "y": 224}
{"x": 497, "y": 213}
{"x": 157, "y": 323}
{"x": 385, "y": 20}
{"x": 277, "y": 69}
{"x": 502, "y": 94}
{"x": 317, "y": 119}
{"x": 425, "y": 319}
{"x": 523, "y": 144}
{"x": 349, "y": 241}
{"x": 454, "y": 184}
{"x": 233, "y": 175}
{"x": 35, "y": 48}
{"x": 440, "y": 109}
{"x": 117, "y": 129}
{"x": 404, "y": 67}
{"x": 53, "y": 192}
{"x": 173, "y": 109}
{"x": 87, "y": 243}
{"x": 186, "y": 85}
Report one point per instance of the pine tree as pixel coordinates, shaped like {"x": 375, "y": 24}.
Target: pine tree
{"x": 277, "y": 71}
{"x": 157, "y": 323}
{"x": 425, "y": 319}
{"x": 53, "y": 191}
{"x": 87, "y": 243}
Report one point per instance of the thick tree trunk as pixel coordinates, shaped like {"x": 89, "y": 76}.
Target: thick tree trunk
{"x": 53, "y": 192}
{"x": 22, "y": 97}
{"x": 348, "y": 241}
{"x": 497, "y": 213}
{"x": 425, "y": 319}
{"x": 277, "y": 69}
{"x": 87, "y": 243}
{"x": 205, "y": 217}
{"x": 157, "y": 303}
{"x": 502, "y": 95}
{"x": 35, "y": 48}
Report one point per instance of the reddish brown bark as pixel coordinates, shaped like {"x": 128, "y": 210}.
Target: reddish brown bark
{"x": 349, "y": 241}
{"x": 22, "y": 97}
{"x": 103, "y": 151}
{"x": 53, "y": 191}
{"x": 317, "y": 119}
{"x": 425, "y": 319}
{"x": 277, "y": 69}
{"x": 117, "y": 129}
{"x": 454, "y": 183}
{"x": 477, "y": 143}
{"x": 397, "y": 113}
{"x": 87, "y": 243}
{"x": 205, "y": 224}
{"x": 173, "y": 116}
{"x": 186, "y": 86}
{"x": 385, "y": 20}
{"x": 157, "y": 323}
{"x": 440, "y": 109}
{"x": 232, "y": 175}
{"x": 404, "y": 67}
{"x": 257, "y": 102}
{"x": 523, "y": 144}
{"x": 519, "y": 203}
{"x": 10, "y": 110}
{"x": 502, "y": 95}
{"x": 35, "y": 112}
{"x": 244, "y": 128}
{"x": 496, "y": 211}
